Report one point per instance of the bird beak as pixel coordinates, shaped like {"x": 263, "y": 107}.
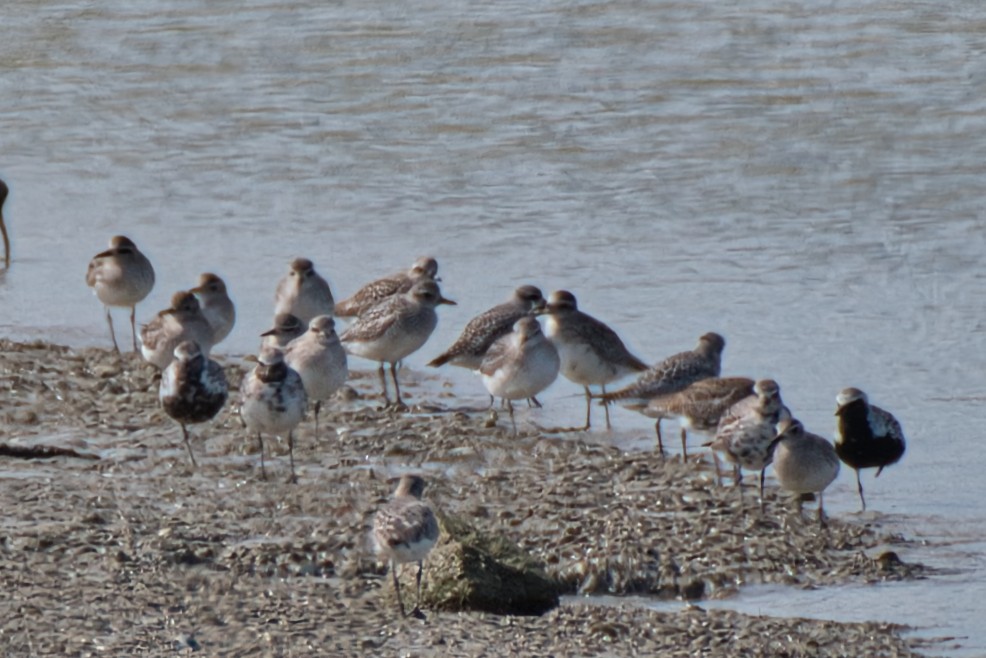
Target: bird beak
{"x": 252, "y": 358}
{"x": 541, "y": 308}
{"x": 443, "y": 300}
{"x": 270, "y": 332}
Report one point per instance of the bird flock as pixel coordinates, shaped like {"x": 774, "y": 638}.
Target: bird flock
{"x": 301, "y": 359}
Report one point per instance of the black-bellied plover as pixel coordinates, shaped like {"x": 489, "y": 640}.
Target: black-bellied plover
{"x": 286, "y": 328}
{"x": 4, "y": 190}
{"x": 395, "y": 328}
{"x": 673, "y": 374}
{"x": 590, "y": 352}
{"x": 303, "y": 292}
{"x": 216, "y": 305}
{"x": 182, "y": 321}
{"x": 405, "y": 530}
{"x": 193, "y": 389}
{"x": 272, "y": 401}
{"x": 747, "y": 429}
{"x": 520, "y": 365}
{"x": 698, "y": 408}
{"x": 866, "y": 436}
{"x": 121, "y": 276}
{"x": 804, "y": 463}
{"x": 470, "y": 347}
{"x": 318, "y": 356}
{"x": 372, "y": 293}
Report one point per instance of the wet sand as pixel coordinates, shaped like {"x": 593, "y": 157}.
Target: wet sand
{"x": 126, "y": 550}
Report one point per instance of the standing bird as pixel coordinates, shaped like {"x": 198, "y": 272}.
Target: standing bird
{"x": 121, "y": 276}
{"x": 866, "y": 436}
{"x": 673, "y": 374}
{"x": 216, "y": 305}
{"x": 272, "y": 400}
{"x": 318, "y": 357}
{"x": 520, "y": 365}
{"x": 394, "y": 328}
{"x": 590, "y": 352}
{"x": 182, "y": 321}
{"x": 480, "y": 332}
{"x": 405, "y": 530}
{"x": 193, "y": 389}
{"x": 804, "y": 463}
{"x": 286, "y": 328}
{"x": 303, "y": 292}
{"x": 395, "y": 284}
{"x": 699, "y": 407}
{"x": 747, "y": 429}
{"x": 4, "y": 190}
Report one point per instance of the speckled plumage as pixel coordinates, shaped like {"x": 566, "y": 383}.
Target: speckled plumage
{"x": 395, "y": 328}
{"x": 803, "y": 462}
{"x": 272, "y": 400}
{"x": 699, "y": 407}
{"x": 521, "y": 364}
{"x": 747, "y": 429}
{"x": 395, "y": 284}
{"x": 590, "y": 351}
{"x": 182, "y": 321}
{"x": 866, "y": 436}
{"x": 483, "y": 330}
{"x": 121, "y": 276}
{"x": 216, "y": 305}
{"x": 193, "y": 389}
{"x": 675, "y": 373}
{"x": 405, "y": 530}
{"x": 303, "y": 293}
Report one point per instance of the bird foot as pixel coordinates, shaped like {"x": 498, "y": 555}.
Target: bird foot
{"x": 417, "y": 614}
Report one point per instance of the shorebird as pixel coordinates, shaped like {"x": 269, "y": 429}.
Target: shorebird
{"x": 193, "y": 389}
{"x": 804, "y": 463}
{"x": 318, "y": 357}
{"x": 699, "y": 407}
{"x": 470, "y": 347}
{"x": 673, "y": 374}
{"x": 395, "y": 284}
{"x": 303, "y": 292}
{"x": 405, "y": 530}
{"x": 272, "y": 400}
{"x": 182, "y": 321}
{"x": 866, "y": 436}
{"x": 4, "y": 190}
{"x": 747, "y": 429}
{"x": 590, "y": 352}
{"x": 286, "y": 328}
{"x": 394, "y": 328}
{"x": 520, "y": 365}
{"x": 121, "y": 276}
{"x": 216, "y": 305}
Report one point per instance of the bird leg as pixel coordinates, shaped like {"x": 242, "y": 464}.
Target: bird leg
{"x": 263, "y": 469}
{"x": 294, "y": 478}
{"x": 318, "y": 406}
{"x": 588, "y": 410}
{"x": 859, "y": 486}
{"x": 188, "y": 445}
{"x": 397, "y": 588}
{"x": 763, "y": 476}
{"x": 660, "y": 440}
{"x": 510, "y": 408}
{"x": 533, "y": 402}
{"x": 684, "y": 444}
{"x": 605, "y": 408}
{"x": 416, "y": 613}
{"x": 133, "y": 326}
{"x": 821, "y": 512}
{"x": 383, "y": 384}
{"x": 397, "y": 387}
{"x": 109, "y": 321}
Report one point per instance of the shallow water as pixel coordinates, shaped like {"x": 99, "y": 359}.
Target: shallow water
{"x": 804, "y": 178}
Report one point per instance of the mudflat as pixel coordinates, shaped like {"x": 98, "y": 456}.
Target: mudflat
{"x": 112, "y": 544}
